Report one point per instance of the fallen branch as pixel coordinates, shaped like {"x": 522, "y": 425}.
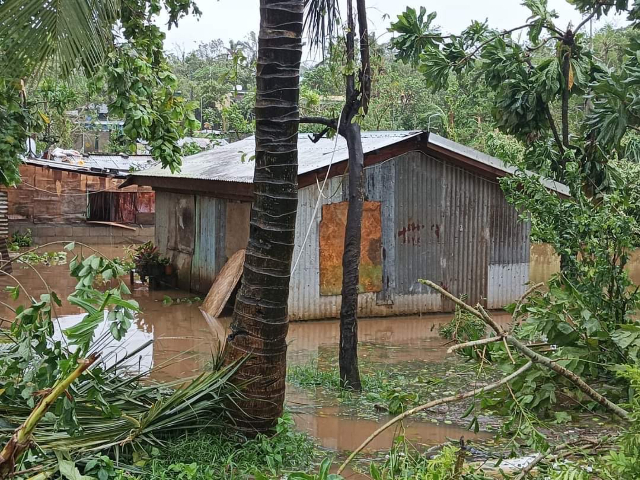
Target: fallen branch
{"x": 21, "y": 438}
{"x": 474, "y": 343}
{"x": 533, "y": 356}
{"x": 434, "y": 403}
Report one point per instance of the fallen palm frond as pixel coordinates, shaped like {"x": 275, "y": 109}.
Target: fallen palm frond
{"x": 143, "y": 415}
{"x": 20, "y": 441}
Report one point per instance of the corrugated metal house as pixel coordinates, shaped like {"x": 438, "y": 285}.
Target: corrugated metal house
{"x": 434, "y": 210}
{"x": 59, "y": 194}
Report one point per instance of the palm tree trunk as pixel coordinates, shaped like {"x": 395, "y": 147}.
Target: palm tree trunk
{"x": 260, "y": 323}
{"x": 348, "y": 355}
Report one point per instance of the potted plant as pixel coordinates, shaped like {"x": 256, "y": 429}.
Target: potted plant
{"x": 168, "y": 268}
{"x": 144, "y": 258}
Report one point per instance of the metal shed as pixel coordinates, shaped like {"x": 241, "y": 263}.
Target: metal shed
{"x": 434, "y": 210}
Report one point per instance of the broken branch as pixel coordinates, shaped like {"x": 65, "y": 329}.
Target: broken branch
{"x": 533, "y": 356}
{"x": 474, "y": 343}
{"x": 21, "y": 438}
{"x": 434, "y": 403}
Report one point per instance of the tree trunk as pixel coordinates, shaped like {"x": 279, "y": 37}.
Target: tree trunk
{"x": 260, "y": 323}
{"x": 348, "y": 357}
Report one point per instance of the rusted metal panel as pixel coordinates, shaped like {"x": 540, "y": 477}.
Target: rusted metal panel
{"x": 146, "y": 202}
{"x": 163, "y": 211}
{"x": 60, "y": 197}
{"x": 305, "y": 301}
{"x": 209, "y": 254}
{"x": 120, "y": 207}
{"x": 332, "y": 231}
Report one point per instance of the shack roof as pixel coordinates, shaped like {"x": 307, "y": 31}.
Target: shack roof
{"x": 233, "y": 163}
{"x": 95, "y": 164}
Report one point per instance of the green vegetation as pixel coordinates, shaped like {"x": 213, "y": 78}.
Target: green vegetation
{"x": 390, "y": 388}
{"x": 19, "y": 240}
{"x": 220, "y": 455}
{"x": 46, "y": 258}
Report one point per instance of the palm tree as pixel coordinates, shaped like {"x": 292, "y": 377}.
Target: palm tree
{"x": 259, "y": 326}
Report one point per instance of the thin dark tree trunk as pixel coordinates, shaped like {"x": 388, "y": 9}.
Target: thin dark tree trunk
{"x": 260, "y": 323}
{"x": 357, "y": 102}
{"x": 348, "y": 357}
{"x": 566, "y": 91}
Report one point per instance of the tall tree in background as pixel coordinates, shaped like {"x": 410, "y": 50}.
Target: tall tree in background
{"x": 117, "y": 40}
{"x": 260, "y": 322}
{"x": 321, "y": 20}
{"x": 549, "y": 92}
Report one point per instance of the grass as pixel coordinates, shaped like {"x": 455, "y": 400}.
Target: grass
{"x": 205, "y": 456}
{"x": 391, "y": 389}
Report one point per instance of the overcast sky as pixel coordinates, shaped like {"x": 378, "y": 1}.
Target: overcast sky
{"x": 233, "y": 19}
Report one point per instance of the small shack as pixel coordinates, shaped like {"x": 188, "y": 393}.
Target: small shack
{"x": 434, "y": 210}
{"x": 77, "y": 196}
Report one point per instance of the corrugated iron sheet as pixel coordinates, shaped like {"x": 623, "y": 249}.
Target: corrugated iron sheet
{"x": 437, "y": 224}
{"x": 233, "y": 162}
{"x": 117, "y": 165}
{"x": 4, "y": 231}
{"x": 209, "y": 249}
{"x": 61, "y": 197}
{"x": 121, "y": 207}
{"x": 4, "y": 214}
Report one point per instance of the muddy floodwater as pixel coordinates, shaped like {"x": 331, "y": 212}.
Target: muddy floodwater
{"x": 184, "y": 342}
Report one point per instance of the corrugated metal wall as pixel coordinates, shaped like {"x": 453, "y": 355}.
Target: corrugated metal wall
{"x": 509, "y": 253}
{"x": 439, "y": 222}
{"x": 209, "y": 251}
{"x": 191, "y": 230}
{"x": 4, "y": 232}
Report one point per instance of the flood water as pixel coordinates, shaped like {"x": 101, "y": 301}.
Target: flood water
{"x": 184, "y": 342}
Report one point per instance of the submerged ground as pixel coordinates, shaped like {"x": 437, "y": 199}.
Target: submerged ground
{"x": 403, "y": 363}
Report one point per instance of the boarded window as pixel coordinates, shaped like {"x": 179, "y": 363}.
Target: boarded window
{"x": 332, "y": 227}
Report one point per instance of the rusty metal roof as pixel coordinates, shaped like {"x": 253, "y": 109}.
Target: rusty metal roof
{"x": 234, "y": 162}
{"x": 99, "y": 164}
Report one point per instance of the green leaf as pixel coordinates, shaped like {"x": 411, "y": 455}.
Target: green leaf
{"x": 70, "y": 246}
{"x": 69, "y": 471}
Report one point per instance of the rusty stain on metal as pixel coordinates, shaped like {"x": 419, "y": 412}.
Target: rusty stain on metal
{"x": 410, "y": 233}
{"x": 332, "y": 228}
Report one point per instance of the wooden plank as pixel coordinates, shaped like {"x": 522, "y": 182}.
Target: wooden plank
{"x": 223, "y": 286}
{"x": 112, "y": 224}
